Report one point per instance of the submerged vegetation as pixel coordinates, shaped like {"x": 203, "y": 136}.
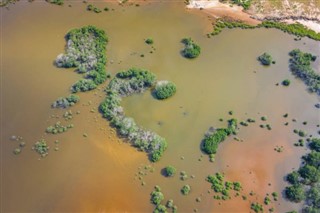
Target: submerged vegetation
{"x": 124, "y": 84}
{"x": 296, "y": 29}
{"x": 215, "y": 136}
{"x": 191, "y": 49}
{"x": 86, "y": 50}
{"x": 300, "y": 65}
{"x": 66, "y": 102}
{"x": 305, "y": 182}
{"x": 165, "y": 89}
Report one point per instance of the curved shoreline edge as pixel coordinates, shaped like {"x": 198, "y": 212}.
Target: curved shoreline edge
{"x": 217, "y": 9}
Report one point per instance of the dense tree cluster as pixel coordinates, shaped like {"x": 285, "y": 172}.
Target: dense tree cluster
{"x": 124, "y": 84}
{"x": 305, "y": 182}
{"x": 215, "y": 136}
{"x": 86, "y": 50}
{"x": 300, "y": 65}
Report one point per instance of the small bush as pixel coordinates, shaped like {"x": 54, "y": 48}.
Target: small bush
{"x": 149, "y": 41}
{"x": 165, "y": 89}
{"x": 265, "y": 59}
{"x": 191, "y": 50}
{"x": 170, "y": 171}
{"x": 185, "y": 189}
{"x": 286, "y": 82}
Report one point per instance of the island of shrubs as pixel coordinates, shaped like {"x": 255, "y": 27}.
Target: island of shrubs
{"x": 305, "y": 182}
{"x": 191, "y": 49}
{"x": 124, "y": 84}
{"x": 86, "y": 51}
{"x": 65, "y": 102}
{"x": 266, "y": 59}
{"x": 296, "y": 29}
{"x": 164, "y": 89}
{"x": 215, "y": 136}
{"x": 300, "y": 66}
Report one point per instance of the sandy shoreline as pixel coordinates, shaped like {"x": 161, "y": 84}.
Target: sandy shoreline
{"x": 220, "y": 10}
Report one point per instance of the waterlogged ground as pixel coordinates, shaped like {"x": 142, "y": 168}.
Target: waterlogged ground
{"x": 100, "y": 173}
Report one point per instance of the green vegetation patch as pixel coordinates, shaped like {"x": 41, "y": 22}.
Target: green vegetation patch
{"x": 124, "y": 84}
{"x": 191, "y": 49}
{"x": 300, "y": 66}
{"x": 164, "y": 89}
{"x": 215, "y": 136}
{"x": 86, "y": 51}
{"x": 65, "y": 102}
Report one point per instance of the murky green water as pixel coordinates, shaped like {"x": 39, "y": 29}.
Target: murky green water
{"x": 97, "y": 173}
